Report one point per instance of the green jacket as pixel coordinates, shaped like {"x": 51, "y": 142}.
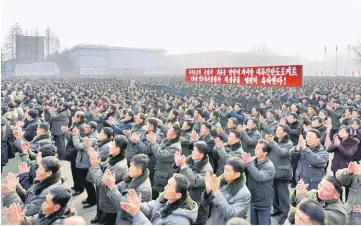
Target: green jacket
{"x": 335, "y": 210}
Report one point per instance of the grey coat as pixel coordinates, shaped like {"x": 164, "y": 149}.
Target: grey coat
{"x": 269, "y": 127}
{"x": 56, "y": 121}
{"x": 29, "y": 201}
{"x": 140, "y": 131}
{"x": 119, "y": 169}
{"x": 164, "y": 153}
{"x": 260, "y": 175}
{"x": 280, "y": 156}
{"x": 150, "y": 214}
{"x": 249, "y": 140}
{"x": 82, "y": 159}
{"x": 311, "y": 165}
{"x": 233, "y": 200}
{"x": 225, "y": 153}
{"x": 141, "y": 185}
{"x": 354, "y": 183}
{"x": 70, "y": 151}
{"x": 215, "y": 125}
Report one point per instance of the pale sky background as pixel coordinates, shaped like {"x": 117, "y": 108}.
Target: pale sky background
{"x": 286, "y": 27}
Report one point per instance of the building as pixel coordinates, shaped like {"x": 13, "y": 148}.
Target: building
{"x": 29, "y": 49}
{"x": 91, "y": 59}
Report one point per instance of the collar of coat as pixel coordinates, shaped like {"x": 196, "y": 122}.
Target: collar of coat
{"x": 100, "y": 143}
{"x": 197, "y": 166}
{"x": 138, "y": 127}
{"x": 235, "y": 147}
{"x": 62, "y": 213}
{"x": 41, "y": 137}
{"x": 187, "y": 131}
{"x": 283, "y": 140}
{"x": 173, "y": 121}
{"x": 39, "y": 186}
{"x": 167, "y": 208}
{"x": 170, "y": 142}
{"x": 134, "y": 184}
{"x": 235, "y": 185}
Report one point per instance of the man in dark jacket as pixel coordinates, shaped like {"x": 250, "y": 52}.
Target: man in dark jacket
{"x": 250, "y": 135}
{"x": 57, "y": 121}
{"x": 137, "y": 179}
{"x": 43, "y": 137}
{"x": 126, "y": 125}
{"x": 164, "y": 153}
{"x": 194, "y": 167}
{"x": 261, "y": 172}
{"x": 312, "y": 159}
{"x": 135, "y": 135}
{"x": 280, "y": 157}
{"x": 54, "y": 210}
{"x": 335, "y": 112}
{"x": 31, "y": 125}
{"x": 269, "y": 125}
{"x": 71, "y": 151}
{"x": 215, "y": 122}
{"x": 185, "y": 137}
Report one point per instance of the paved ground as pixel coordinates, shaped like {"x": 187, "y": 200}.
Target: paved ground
{"x": 88, "y": 214}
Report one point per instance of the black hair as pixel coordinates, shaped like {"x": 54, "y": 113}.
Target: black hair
{"x": 140, "y": 161}
{"x": 81, "y": 115}
{"x": 236, "y": 133}
{"x": 236, "y": 164}
{"x": 189, "y": 112}
{"x": 234, "y": 121}
{"x": 346, "y": 128}
{"x": 313, "y": 107}
{"x": 271, "y": 111}
{"x": 175, "y": 112}
{"x": 61, "y": 195}
{"x": 266, "y": 146}
{"x": 215, "y": 113}
{"x": 358, "y": 121}
{"x": 207, "y": 125}
{"x": 113, "y": 107}
{"x": 122, "y": 143}
{"x": 65, "y": 106}
{"x": 317, "y": 118}
{"x": 315, "y": 131}
{"x": 177, "y": 131}
{"x": 92, "y": 125}
{"x": 131, "y": 113}
{"x": 325, "y": 112}
{"x": 51, "y": 164}
{"x": 313, "y": 210}
{"x": 144, "y": 107}
{"x": 257, "y": 109}
{"x": 190, "y": 123}
{"x": 182, "y": 183}
{"x": 108, "y": 131}
{"x": 337, "y": 184}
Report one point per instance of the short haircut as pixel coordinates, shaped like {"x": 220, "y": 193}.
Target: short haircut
{"x": 313, "y": 107}
{"x": 324, "y": 112}
{"x": 271, "y": 111}
{"x": 295, "y": 116}
{"x": 177, "y": 131}
{"x": 189, "y": 112}
{"x": 207, "y": 125}
{"x": 236, "y": 133}
{"x": 131, "y": 113}
{"x": 108, "y": 131}
{"x": 266, "y": 146}
{"x": 239, "y": 105}
{"x": 346, "y": 128}
{"x": 335, "y": 183}
{"x": 81, "y": 115}
{"x": 190, "y": 123}
{"x": 61, "y": 195}
{"x": 121, "y": 142}
{"x": 182, "y": 183}
{"x": 313, "y": 210}
{"x": 92, "y": 125}
{"x": 315, "y": 131}
{"x": 141, "y": 161}
{"x": 51, "y": 164}
{"x": 358, "y": 121}
{"x": 234, "y": 121}
{"x": 316, "y": 118}
{"x": 175, "y": 112}
{"x": 236, "y": 164}
{"x": 215, "y": 113}
{"x": 113, "y": 107}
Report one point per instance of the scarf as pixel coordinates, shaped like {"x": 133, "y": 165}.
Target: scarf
{"x": 62, "y": 213}
{"x": 168, "y": 143}
{"x": 115, "y": 159}
{"x": 233, "y": 187}
{"x": 167, "y": 208}
{"x": 39, "y": 186}
{"x": 100, "y": 143}
{"x": 41, "y": 137}
{"x": 134, "y": 184}
{"x": 197, "y": 166}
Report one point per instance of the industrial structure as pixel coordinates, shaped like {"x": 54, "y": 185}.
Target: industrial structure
{"x": 93, "y": 59}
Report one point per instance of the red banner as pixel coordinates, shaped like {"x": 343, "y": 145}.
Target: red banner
{"x": 280, "y": 76}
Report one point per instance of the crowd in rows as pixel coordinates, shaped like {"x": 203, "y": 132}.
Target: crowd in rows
{"x": 216, "y": 155}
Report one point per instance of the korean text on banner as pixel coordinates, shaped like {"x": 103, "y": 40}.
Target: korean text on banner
{"x": 280, "y": 76}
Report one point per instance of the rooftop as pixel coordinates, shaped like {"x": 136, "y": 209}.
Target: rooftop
{"x": 88, "y": 46}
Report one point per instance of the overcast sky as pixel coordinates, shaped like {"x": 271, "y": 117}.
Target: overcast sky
{"x": 286, "y": 27}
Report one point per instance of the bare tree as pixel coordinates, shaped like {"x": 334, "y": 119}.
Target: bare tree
{"x": 52, "y": 42}
{"x": 9, "y": 47}
{"x": 357, "y": 51}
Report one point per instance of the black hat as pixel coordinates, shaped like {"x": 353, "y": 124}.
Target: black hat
{"x": 202, "y": 147}
{"x": 44, "y": 126}
{"x": 48, "y": 150}
{"x": 33, "y": 113}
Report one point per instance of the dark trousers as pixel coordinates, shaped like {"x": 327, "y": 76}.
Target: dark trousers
{"x": 100, "y": 214}
{"x": 77, "y": 185}
{"x": 89, "y": 187}
{"x": 281, "y": 197}
{"x": 110, "y": 218}
{"x": 4, "y": 154}
{"x": 60, "y": 146}
{"x": 332, "y": 133}
{"x": 260, "y": 216}
{"x": 294, "y": 163}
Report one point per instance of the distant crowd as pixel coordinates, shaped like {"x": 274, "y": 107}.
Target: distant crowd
{"x": 166, "y": 152}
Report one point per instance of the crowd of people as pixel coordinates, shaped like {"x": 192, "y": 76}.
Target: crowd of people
{"x": 163, "y": 151}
